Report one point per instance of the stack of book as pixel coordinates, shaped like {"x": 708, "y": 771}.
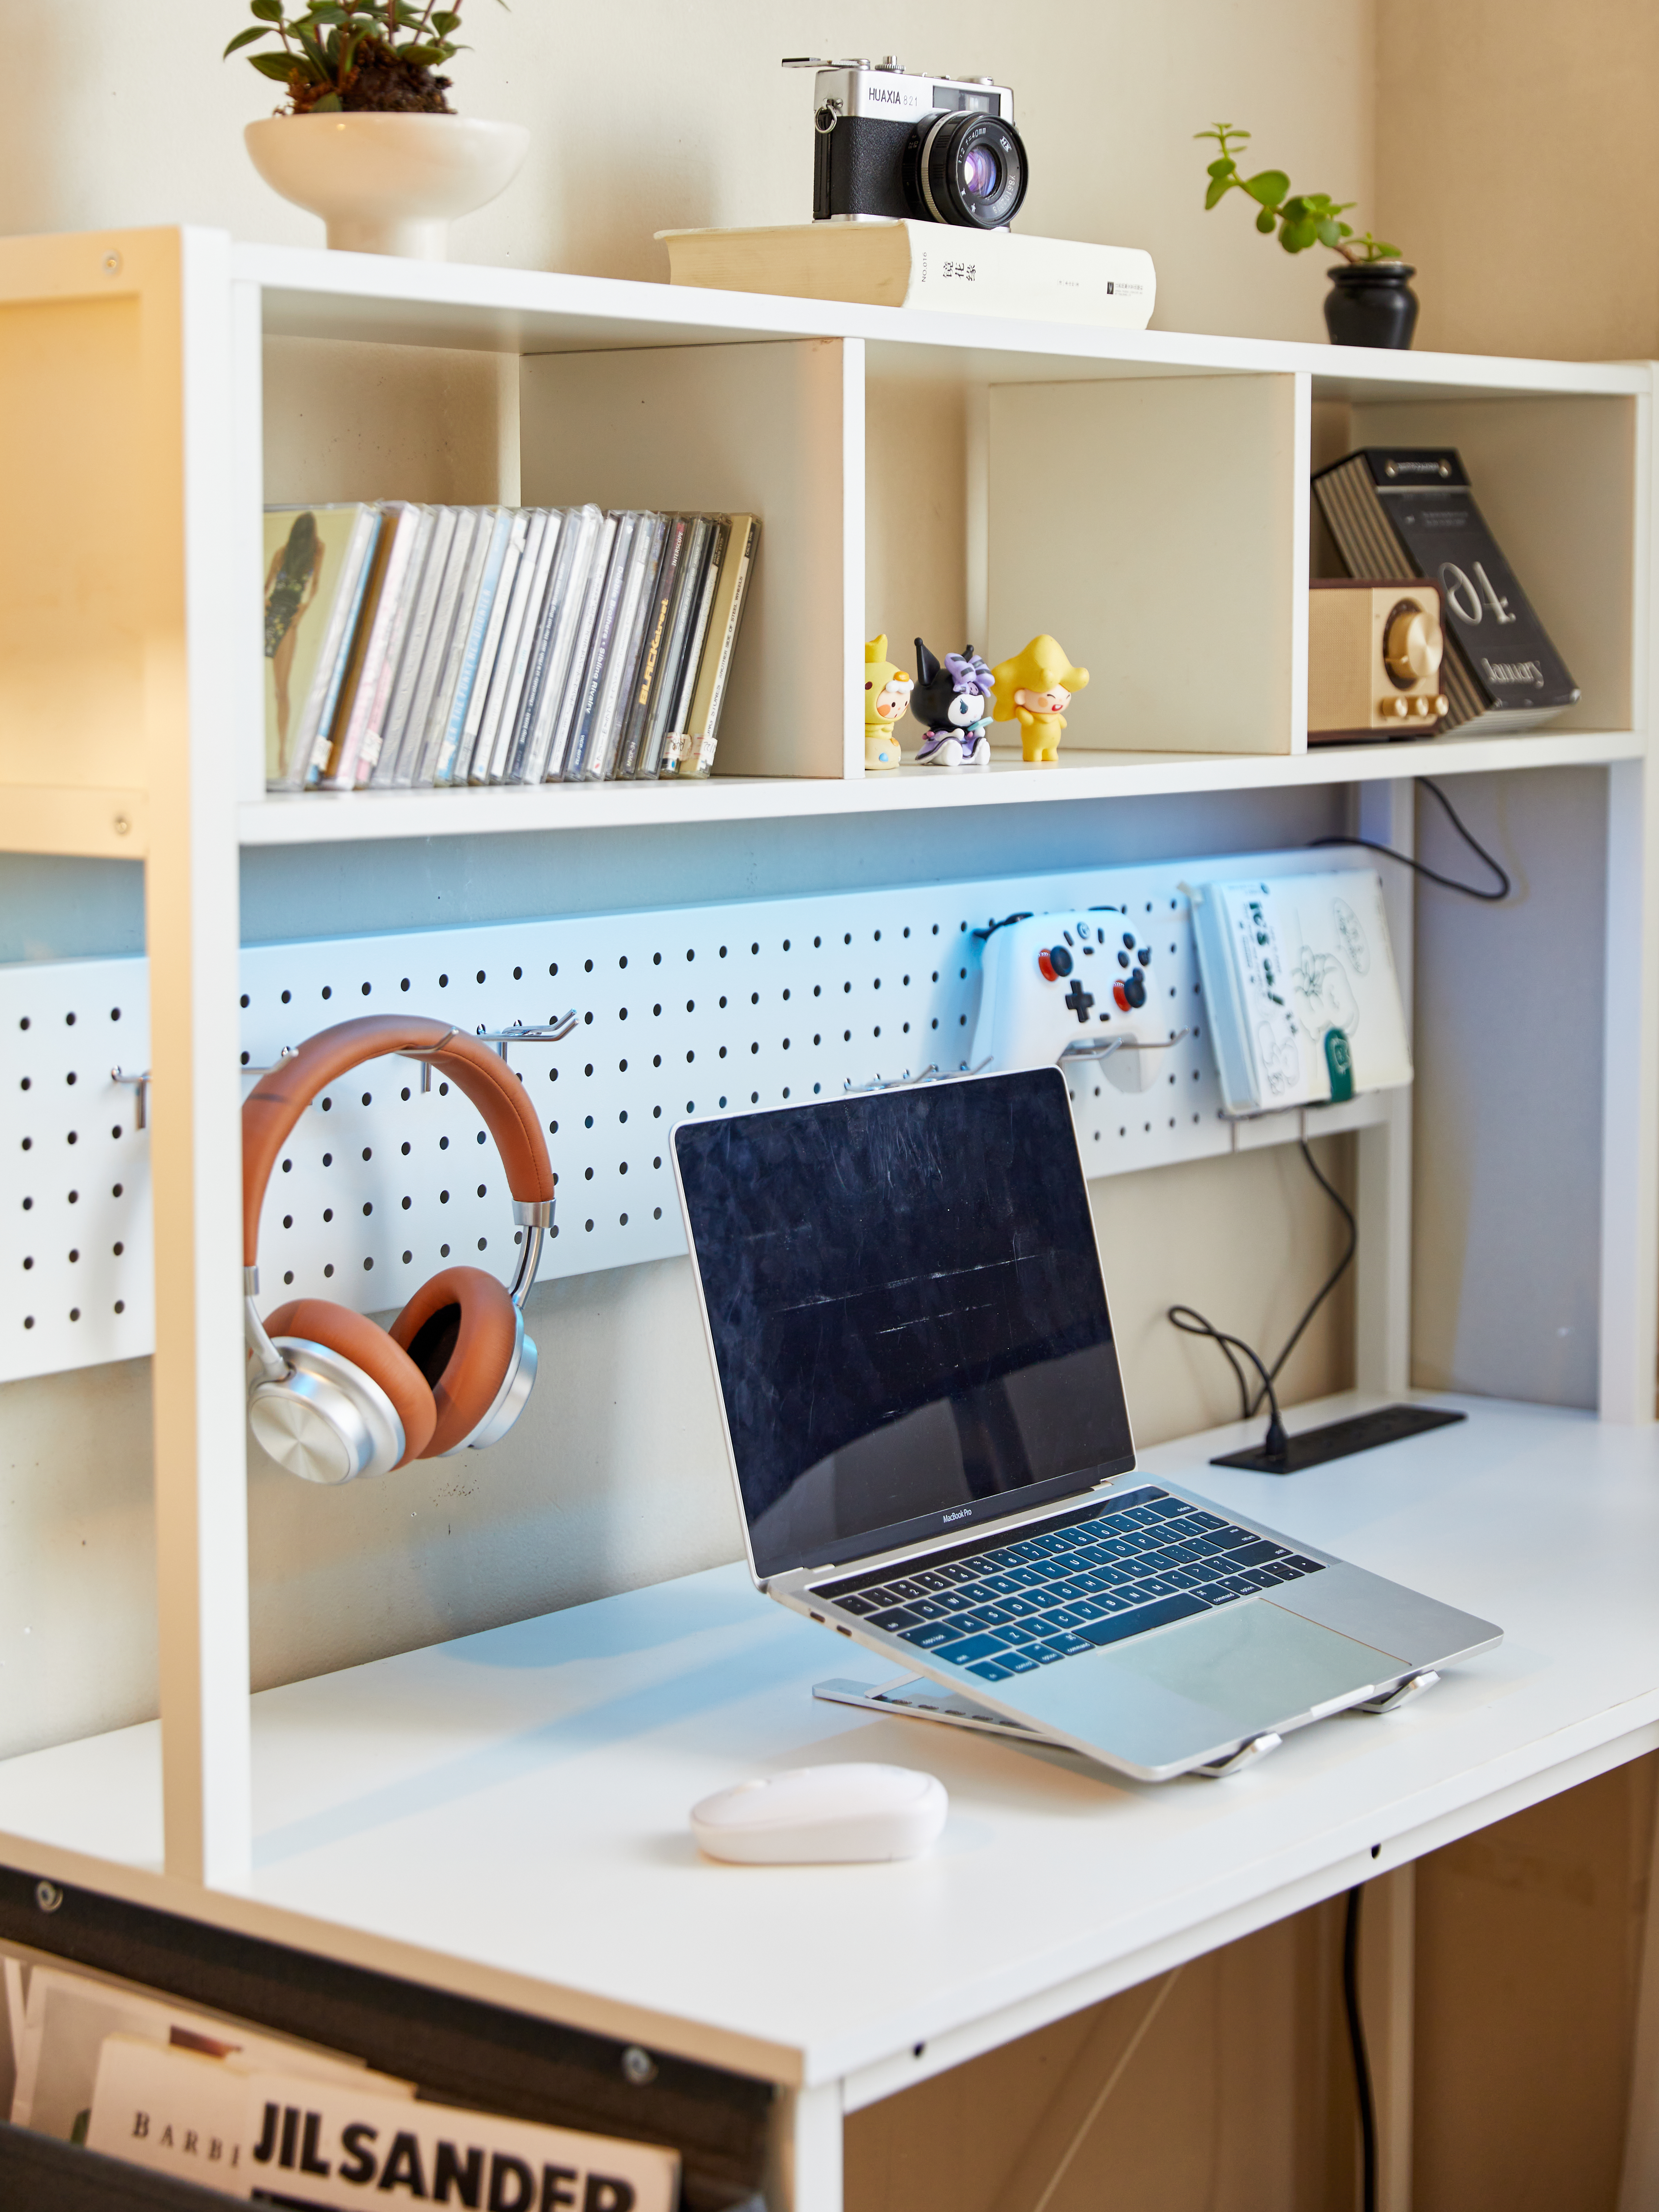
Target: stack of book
{"x": 407, "y": 647}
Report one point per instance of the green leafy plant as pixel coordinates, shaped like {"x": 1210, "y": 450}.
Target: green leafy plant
{"x": 357, "y": 54}
{"x": 1302, "y": 219}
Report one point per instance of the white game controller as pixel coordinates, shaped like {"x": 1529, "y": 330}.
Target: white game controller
{"x": 1061, "y": 988}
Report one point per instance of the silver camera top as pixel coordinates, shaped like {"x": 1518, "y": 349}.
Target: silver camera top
{"x": 886, "y": 91}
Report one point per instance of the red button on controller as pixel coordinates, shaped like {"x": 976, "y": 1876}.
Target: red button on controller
{"x": 1047, "y": 966}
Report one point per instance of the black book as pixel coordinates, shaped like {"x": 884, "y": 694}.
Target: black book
{"x": 654, "y": 644}
{"x": 1408, "y": 511}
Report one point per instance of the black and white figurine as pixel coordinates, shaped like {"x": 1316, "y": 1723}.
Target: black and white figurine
{"x": 952, "y": 702}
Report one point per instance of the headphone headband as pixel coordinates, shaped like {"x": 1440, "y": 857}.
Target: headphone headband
{"x": 282, "y": 1094}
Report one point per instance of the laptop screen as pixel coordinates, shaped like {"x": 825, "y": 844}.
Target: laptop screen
{"x": 910, "y": 1325}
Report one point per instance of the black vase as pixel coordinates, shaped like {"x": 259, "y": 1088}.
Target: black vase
{"x": 1371, "y": 304}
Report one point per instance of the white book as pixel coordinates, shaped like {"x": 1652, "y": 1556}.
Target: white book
{"x": 423, "y": 605}
{"x": 938, "y": 267}
{"x": 1298, "y": 977}
{"x": 517, "y": 525}
{"x": 535, "y": 571}
{"x": 445, "y": 615}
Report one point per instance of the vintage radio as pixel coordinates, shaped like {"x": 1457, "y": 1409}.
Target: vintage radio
{"x": 1374, "y": 655}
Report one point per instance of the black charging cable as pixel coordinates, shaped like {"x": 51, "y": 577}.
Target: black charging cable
{"x": 1362, "y": 2064}
{"x": 1275, "y": 1443}
{"x": 1447, "y": 883}
{"x": 1191, "y": 1322}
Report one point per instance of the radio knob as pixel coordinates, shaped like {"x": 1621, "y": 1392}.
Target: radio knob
{"x": 1413, "y": 644}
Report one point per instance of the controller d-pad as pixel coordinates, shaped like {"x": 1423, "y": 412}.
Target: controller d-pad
{"x": 1078, "y": 1000}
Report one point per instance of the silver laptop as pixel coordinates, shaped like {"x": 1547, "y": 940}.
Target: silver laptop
{"x": 925, "y": 1421}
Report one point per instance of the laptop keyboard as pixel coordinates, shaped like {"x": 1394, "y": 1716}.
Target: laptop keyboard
{"x": 1137, "y": 1562}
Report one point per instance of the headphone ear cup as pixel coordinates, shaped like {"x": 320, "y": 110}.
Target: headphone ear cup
{"x": 357, "y": 1338}
{"x": 462, "y": 1332}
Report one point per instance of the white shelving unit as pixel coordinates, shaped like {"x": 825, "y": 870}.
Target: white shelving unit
{"x": 131, "y": 420}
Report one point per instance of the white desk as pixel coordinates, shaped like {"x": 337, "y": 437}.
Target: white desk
{"x": 505, "y": 1815}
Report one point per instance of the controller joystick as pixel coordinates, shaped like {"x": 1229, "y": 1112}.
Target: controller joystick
{"x": 1059, "y": 989}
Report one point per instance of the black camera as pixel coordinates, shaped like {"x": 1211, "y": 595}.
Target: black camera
{"x": 939, "y": 149}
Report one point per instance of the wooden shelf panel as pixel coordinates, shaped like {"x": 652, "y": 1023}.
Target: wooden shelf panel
{"x": 348, "y": 817}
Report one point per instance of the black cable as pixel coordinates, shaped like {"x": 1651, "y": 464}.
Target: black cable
{"x": 1362, "y": 2064}
{"x": 1331, "y": 1280}
{"x": 1447, "y": 883}
{"x": 1196, "y": 1325}
{"x": 1275, "y": 1443}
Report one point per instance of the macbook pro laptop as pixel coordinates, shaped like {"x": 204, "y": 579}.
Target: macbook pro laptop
{"x": 927, "y": 1426}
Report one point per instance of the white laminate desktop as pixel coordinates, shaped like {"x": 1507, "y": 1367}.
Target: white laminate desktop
{"x": 506, "y": 1815}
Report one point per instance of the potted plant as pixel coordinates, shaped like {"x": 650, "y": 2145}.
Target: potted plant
{"x": 1370, "y": 301}
{"x": 366, "y": 138}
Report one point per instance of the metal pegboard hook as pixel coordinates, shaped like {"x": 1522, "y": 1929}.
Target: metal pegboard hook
{"x": 521, "y": 1033}
{"x": 140, "y": 1091}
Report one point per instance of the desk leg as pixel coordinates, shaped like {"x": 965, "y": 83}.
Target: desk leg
{"x": 805, "y": 2172}
{"x": 1387, "y": 1943}
{"x": 1639, "y": 2188}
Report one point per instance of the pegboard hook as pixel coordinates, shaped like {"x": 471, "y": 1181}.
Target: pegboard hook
{"x": 535, "y": 1033}
{"x": 140, "y": 1091}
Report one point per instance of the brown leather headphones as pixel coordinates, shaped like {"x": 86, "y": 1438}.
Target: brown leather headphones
{"x": 332, "y": 1396}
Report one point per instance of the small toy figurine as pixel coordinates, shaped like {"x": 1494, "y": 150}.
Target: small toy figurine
{"x": 1034, "y": 689}
{"x": 953, "y": 702}
{"x": 886, "y": 700}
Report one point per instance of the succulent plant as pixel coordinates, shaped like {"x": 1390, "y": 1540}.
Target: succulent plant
{"x": 357, "y": 54}
{"x": 1302, "y": 219}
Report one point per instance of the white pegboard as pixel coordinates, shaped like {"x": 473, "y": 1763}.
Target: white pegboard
{"x": 76, "y": 1278}
{"x": 696, "y": 1010}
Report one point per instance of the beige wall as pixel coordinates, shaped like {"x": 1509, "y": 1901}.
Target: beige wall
{"x": 660, "y": 114}
{"x": 1518, "y": 166}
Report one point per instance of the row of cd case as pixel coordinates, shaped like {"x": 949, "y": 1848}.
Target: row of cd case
{"x": 410, "y": 646}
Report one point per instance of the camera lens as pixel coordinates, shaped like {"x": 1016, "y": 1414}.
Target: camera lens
{"x": 965, "y": 168}
{"x": 980, "y": 172}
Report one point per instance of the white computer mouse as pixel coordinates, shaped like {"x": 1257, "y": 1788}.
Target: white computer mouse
{"x": 822, "y": 1813}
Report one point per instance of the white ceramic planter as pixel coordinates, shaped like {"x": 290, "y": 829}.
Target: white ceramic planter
{"x": 387, "y": 184}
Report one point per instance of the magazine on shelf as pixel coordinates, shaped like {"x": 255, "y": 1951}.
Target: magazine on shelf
{"x": 68, "y": 2017}
{"x": 679, "y": 719}
{"x": 422, "y": 609}
{"x": 478, "y": 605}
{"x": 281, "y": 2138}
{"x": 687, "y": 601}
{"x": 501, "y": 602}
{"x": 692, "y": 752}
{"x": 617, "y": 689}
{"x": 317, "y": 561}
{"x": 501, "y": 696}
{"x": 560, "y": 621}
{"x": 415, "y": 647}
{"x": 418, "y": 732}
{"x": 659, "y": 616}
{"x": 401, "y": 600}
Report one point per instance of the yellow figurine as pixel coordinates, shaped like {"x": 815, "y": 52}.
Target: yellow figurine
{"x": 1034, "y": 689}
{"x": 886, "y": 699}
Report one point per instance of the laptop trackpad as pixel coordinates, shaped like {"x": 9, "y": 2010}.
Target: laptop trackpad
{"x": 1256, "y": 1663}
